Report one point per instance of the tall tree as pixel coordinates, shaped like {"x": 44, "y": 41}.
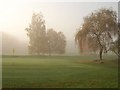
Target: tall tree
{"x": 52, "y": 38}
{"x": 57, "y": 42}
{"x": 37, "y": 34}
{"x": 61, "y": 43}
{"x": 98, "y": 31}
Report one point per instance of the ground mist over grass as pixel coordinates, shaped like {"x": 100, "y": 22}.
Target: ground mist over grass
{"x": 59, "y": 71}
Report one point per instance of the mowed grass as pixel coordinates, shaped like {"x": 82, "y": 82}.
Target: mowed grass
{"x": 59, "y": 72}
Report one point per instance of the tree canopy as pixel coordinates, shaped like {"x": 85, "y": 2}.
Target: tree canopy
{"x": 98, "y": 31}
{"x": 37, "y": 34}
{"x": 57, "y": 41}
{"x": 44, "y": 41}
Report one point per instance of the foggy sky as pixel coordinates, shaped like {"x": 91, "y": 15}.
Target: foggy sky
{"x": 61, "y": 16}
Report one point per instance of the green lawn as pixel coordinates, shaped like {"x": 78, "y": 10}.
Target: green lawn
{"x": 57, "y": 72}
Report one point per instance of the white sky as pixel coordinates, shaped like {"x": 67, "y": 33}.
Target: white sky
{"x": 62, "y": 16}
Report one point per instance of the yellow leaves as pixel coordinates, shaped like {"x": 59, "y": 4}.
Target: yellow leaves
{"x": 99, "y": 24}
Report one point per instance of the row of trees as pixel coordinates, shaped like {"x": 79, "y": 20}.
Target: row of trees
{"x": 99, "y": 32}
{"x": 44, "y": 41}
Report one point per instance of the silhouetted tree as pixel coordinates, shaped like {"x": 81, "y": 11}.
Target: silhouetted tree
{"x": 61, "y": 43}
{"x": 37, "y": 34}
{"x": 57, "y": 41}
{"x": 52, "y": 38}
{"x": 98, "y": 31}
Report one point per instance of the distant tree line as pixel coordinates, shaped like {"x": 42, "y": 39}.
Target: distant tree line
{"x": 42, "y": 41}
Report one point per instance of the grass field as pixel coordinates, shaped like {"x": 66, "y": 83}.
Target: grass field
{"x": 59, "y": 72}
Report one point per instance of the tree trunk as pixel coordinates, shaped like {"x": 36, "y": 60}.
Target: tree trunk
{"x": 100, "y": 53}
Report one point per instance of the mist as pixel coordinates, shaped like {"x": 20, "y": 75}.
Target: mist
{"x": 10, "y": 42}
{"x": 63, "y": 16}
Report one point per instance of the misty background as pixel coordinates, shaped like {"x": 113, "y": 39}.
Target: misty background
{"x": 61, "y": 16}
